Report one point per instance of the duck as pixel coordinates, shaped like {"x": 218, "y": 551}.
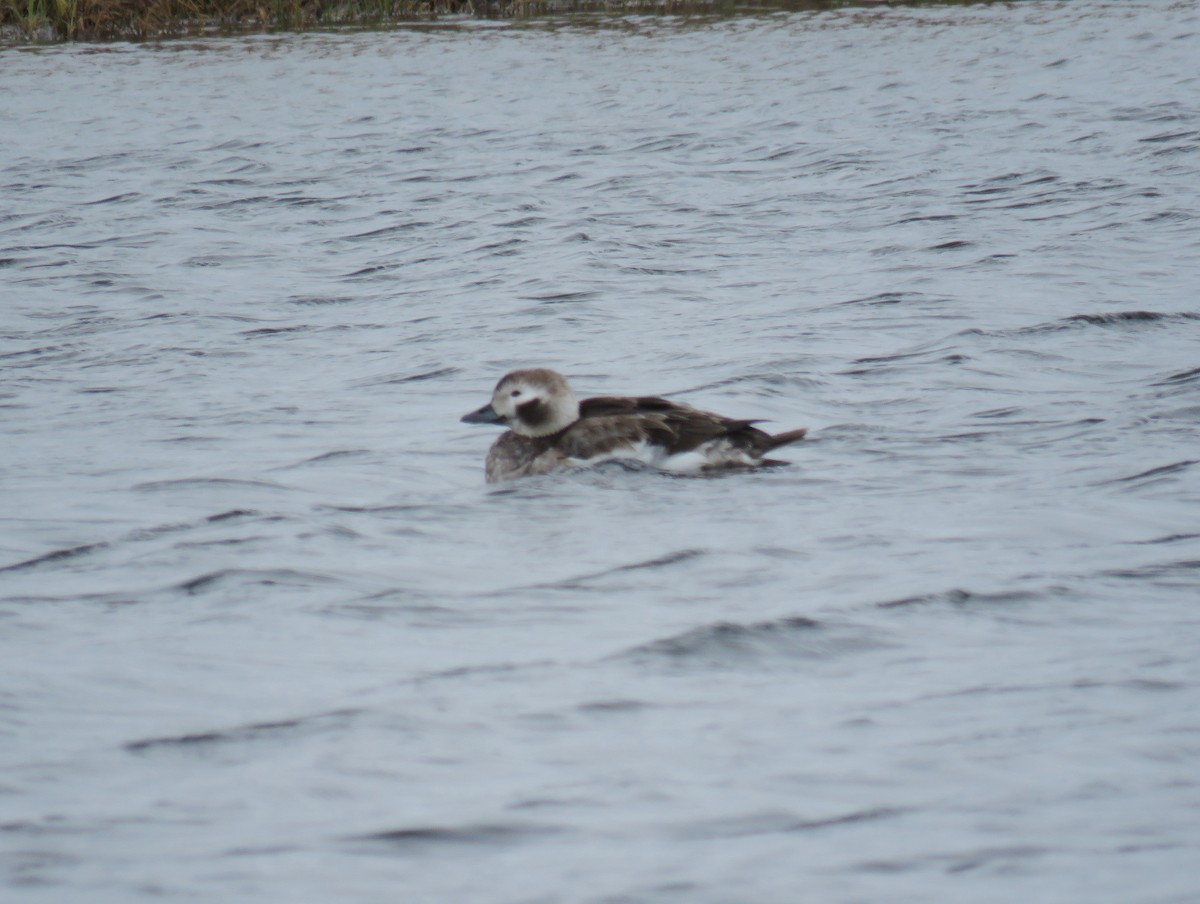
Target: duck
{"x": 549, "y": 429}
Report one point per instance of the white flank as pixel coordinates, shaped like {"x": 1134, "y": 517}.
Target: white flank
{"x": 716, "y": 453}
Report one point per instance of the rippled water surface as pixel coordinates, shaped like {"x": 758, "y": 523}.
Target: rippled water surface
{"x": 265, "y": 634}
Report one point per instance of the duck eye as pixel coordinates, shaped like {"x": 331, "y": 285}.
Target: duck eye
{"x": 515, "y": 393}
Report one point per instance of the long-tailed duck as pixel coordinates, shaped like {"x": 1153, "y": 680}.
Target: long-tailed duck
{"x": 551, "y": 429}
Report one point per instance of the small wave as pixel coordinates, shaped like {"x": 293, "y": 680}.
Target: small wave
{"x": 325, "y": 457}
{"x": 232, "y": 513}
{"x": 581, "y": 582}
{"x": 1169, "y": 538}
{"x": 888, "y": 298}
{"x": 1186, "y": 567}
{"x": 961, "y": 862}
{"x": 1153, "y": 473}
{"x": 316, "y": 300}
{"x": 504, "y": 248}
{"x": 149, "y": 533}
{"x": 776, "y": 822}
{"x": 1169, "y": 216}
{"x": 1188, "y": 136}
{"x": 766, "y": 382}
{"x": 241, "y": 733}
{"x": 384, "y": 231}
{"x": 997, "y": 413}
{"x": 727, "y": 636}
{"x": 486, "y": 834}
{"x": 521, "y": 222}
{"x": 267, "y": 577}
{"x": 47, "y": 826}
{"x": 958, "y": 597}
{"x": 58, "y": 555}
{"x": 1076, "y": 321}
{"x": 183, "y": 482}
{"x": 112, "y": 199}
{"x": 562, "y": 297}
{"x": 1126, "y": 317}
{"x": 925, "y": 218}
{"x": 1186, "y": 376}
{"x": 275, "y": 330}
{"x": 733, "y": 643}
{"x": 924, "y": 357}
{"x": 371, "y": 272}
{"x": 613, "y": 706}
{"x": 413, "y": 378}
{"x": 470, "y": 671}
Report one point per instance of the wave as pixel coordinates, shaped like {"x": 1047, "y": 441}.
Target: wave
{"x": 726, "y": 643}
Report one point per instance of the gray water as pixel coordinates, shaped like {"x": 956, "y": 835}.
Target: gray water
{"x": 266, "y": 635}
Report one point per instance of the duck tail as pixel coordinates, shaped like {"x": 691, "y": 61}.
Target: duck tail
{"x": 786, "y": 438}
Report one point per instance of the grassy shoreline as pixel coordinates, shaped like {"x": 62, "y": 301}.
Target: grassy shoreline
{"x": 100, "y": 20}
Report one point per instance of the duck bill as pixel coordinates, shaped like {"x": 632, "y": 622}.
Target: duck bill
{"x": 485, "y": 415}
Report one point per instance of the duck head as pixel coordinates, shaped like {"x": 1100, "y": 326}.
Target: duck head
{"x": 535, "y": 402}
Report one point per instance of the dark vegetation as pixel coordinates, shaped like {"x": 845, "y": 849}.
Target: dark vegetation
{"x": 51, "y": 20}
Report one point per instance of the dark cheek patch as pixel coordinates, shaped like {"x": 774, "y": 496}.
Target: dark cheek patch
{"x": 534, "y": 413}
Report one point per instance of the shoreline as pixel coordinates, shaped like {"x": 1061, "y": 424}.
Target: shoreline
{"x": 58, "y": 21}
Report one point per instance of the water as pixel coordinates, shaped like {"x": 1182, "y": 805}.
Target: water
{"x": 266, "y": 635}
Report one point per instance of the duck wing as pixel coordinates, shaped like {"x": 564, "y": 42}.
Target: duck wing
{"x": 614, "y": 421}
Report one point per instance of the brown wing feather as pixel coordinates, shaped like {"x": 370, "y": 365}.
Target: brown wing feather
{"x": 678, "y": 428}
{"x": 603, "y": 406}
